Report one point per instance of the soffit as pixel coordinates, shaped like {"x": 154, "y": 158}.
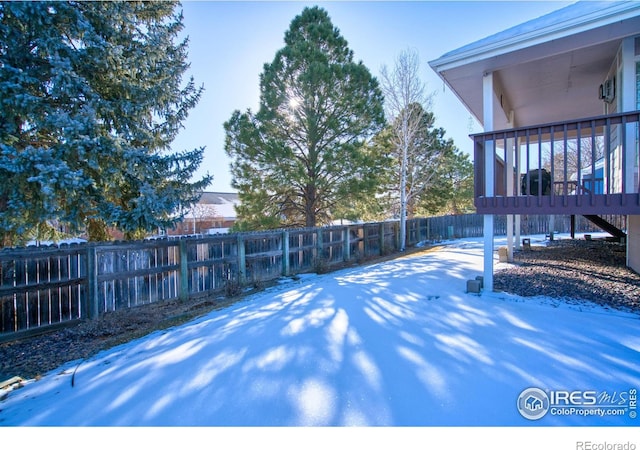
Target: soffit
{"x": 542, "y": 79}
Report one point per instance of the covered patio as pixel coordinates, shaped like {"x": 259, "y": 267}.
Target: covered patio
{"x": 557, "y": 97}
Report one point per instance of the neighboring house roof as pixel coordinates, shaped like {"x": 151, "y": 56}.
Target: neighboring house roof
{"x": 548, "y": 69}
{"x": 215, "y": 204}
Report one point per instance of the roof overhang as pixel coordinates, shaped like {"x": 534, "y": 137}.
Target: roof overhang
{"x": 545, "y": 70}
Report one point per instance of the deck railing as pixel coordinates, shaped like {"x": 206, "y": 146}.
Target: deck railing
{"x": 585, "y": 166}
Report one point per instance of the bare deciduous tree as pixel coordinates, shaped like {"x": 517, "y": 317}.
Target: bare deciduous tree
{"x": 407, "y": 106}
{"x": 579, "y": 156}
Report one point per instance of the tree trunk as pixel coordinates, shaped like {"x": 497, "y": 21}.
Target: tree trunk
{"x": 403, "y": 198}
{"x": 310, "y": 206}
{"x": 97, "y": 231}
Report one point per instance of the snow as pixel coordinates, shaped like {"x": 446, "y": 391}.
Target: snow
{"x": 395, "y": 344}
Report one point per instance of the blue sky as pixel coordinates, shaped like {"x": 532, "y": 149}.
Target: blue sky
{"x": 231, "y": 41}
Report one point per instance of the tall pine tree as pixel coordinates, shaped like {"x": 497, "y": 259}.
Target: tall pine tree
{"x": 92, "y": 96}
{"x": 304, "y": 155}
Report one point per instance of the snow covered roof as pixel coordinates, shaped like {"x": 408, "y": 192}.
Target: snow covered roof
{"x": 549, "y": 68}
{"x": 215, "y": 204}
{"x": 577, "y": 17}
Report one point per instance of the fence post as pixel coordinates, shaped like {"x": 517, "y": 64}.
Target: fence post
{"x": 346, "y": 245}
{"x": 381, "y": 237}
{"x": 285, "y": 254}
{"x": 319, "y": 252}
{"x": 91, "y": 302}
{"x": 242, "y": 261}
{"x": 184, "y": 271}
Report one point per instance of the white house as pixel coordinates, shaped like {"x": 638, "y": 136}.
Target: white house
{"x": 559, "y": 93}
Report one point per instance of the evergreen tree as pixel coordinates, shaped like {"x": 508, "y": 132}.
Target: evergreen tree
{"x": 460, "y": 176}
{"x": 92, "y": 97}
{"x": 304, "y": 156}
{"x": 451, "y": 191}
{"x": 374, "y": 208}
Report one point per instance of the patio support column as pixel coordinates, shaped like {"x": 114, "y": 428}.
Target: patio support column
{"x": 628, "y": 102}
{"x": 510, "y": 186}
{"x": 518, "y": 188}
{"x": 489, "y": 162}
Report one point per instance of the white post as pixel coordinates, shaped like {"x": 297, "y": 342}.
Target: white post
{"x": 511, "y": 148}
{"x": 510, "y": 237}
{"x": 628, "y": 97}
{"x": 489, "y": 161}
{"x": 518, "y": 188}
{"x": 628, "y": 103}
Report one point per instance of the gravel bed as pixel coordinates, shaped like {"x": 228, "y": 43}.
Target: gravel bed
{"x": 573, "y": 270}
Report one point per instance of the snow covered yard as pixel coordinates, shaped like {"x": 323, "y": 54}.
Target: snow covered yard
{"x": 398, "y": 343}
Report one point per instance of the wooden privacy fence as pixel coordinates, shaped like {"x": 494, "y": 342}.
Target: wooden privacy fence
{"x": 50, "y": 286}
